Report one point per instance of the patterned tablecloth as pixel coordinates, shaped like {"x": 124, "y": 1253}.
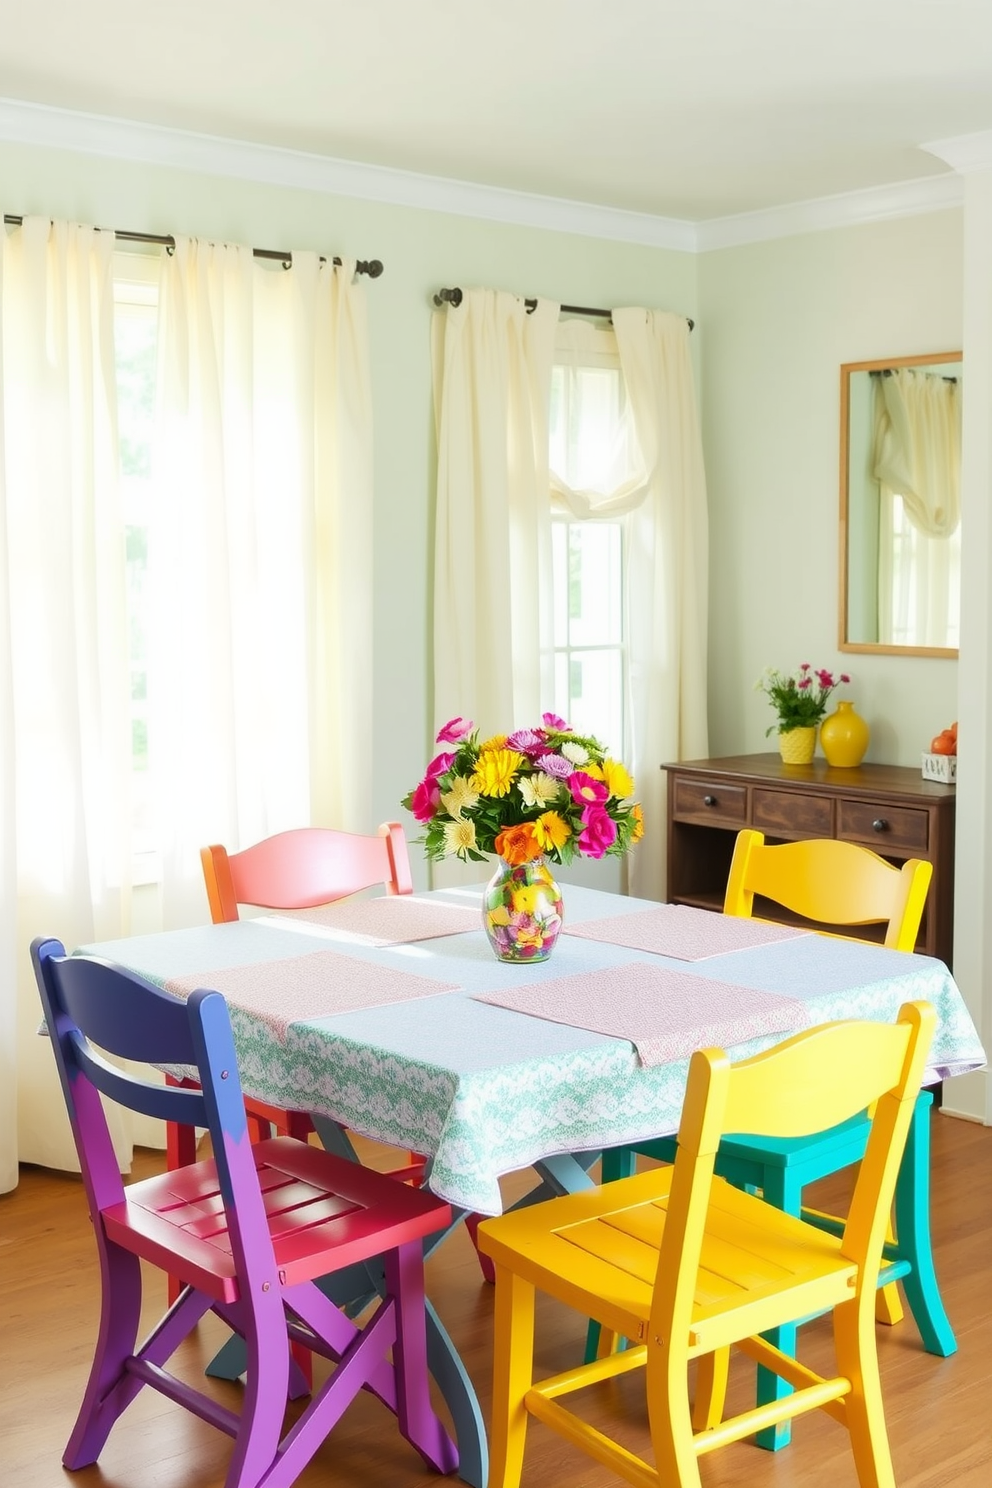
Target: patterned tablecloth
{"x": 484, "y": 1090}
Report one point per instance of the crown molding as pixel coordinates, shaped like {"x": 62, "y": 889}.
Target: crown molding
{"x": 149, "y": 144}
{"x": 178, "y": 149}
{"x": 965, "y": 152}
{"x": 849, "y": 209}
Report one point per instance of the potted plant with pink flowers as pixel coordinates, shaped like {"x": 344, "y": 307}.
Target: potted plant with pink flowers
{"x": 532, "y": 796}
{"x": 800, "y": 701}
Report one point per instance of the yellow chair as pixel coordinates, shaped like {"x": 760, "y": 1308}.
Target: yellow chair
{"x": 831, "y": 883}
{"x": 685, "y": 1265}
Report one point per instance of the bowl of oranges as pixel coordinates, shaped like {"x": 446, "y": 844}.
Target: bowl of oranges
{"x": 941, "y": 761}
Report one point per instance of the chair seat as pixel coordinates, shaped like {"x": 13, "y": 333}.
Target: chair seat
{"x": 323, "y": 1213}
{"x": 598, "y": 1252}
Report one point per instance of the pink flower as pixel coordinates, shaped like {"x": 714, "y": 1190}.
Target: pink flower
{"x": 552, "y": 721}
{"x": 425, "y": 799}
{"x": 439, "y": 765}
{"x": 454, "y": 731}
{"x": 599, "y": 832}
{"x": 844, "y": 677}
{"x": 555, "y": 765}
{"x": 586, "y": 791}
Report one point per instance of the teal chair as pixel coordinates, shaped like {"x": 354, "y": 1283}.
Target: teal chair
{"x": 813, "y": 880}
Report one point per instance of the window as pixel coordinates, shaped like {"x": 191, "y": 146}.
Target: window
{"x": 591, "y": 455}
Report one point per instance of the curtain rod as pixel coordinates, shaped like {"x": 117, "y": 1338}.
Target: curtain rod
{"x": 455, "y": 297}
{"x": 370, "y": 266}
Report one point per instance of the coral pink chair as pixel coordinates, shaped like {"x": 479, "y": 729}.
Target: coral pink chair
{"x": 248, "y": 1232}
{"x": 296, "y": 870}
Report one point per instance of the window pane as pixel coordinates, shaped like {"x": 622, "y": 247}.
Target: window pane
{"x": 596, "y": 703}
{"x": 594, "y": 584}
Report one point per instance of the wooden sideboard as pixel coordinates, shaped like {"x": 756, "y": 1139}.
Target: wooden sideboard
{"x": 888, "y": 808}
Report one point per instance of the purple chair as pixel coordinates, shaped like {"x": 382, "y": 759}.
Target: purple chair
{"x": 248, "y": 1233}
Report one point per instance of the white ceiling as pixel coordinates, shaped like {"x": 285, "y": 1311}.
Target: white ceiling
{"x": 683, "y": 109}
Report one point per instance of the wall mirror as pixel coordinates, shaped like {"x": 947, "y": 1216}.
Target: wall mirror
{"x": 900, "y": 528}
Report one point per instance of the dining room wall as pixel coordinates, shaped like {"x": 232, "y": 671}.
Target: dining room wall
{"x": 781, "y": 317}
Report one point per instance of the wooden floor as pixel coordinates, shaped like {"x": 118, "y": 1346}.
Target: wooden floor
{"x": 938, "y": 1410}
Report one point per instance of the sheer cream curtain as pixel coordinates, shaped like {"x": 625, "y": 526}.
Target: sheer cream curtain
{"x": 917, "y": 463}
{"x": 261, "y": 562}
{"x": 660, "y": 495}
{"x": 64, "y": 723}
{"x": 492, "y": 604}
{"x": 493, "y": 582}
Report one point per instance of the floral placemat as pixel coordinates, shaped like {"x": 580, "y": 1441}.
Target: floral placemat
{"x": 665, "y": 1014}
{"x": 303, "y": 988}
{"x": 389, "y": 920}
{"x": 685, "y": 933}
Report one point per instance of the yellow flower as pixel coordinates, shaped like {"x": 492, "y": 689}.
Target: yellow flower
{"x": 638, "y": 816}
{"x": 495, "y": 771}
{"x": 498, "y": 741}
{"x": 551, "y": 830}
{"x": 461, "y": 797}
{"x": 459, "y": 836}
{"x": 617, "y": 778}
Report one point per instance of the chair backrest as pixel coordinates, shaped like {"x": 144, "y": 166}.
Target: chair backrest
{"x": 92, "y": 1005}
{"x": 831, "y": 882}
{"x": 806, "y": 1084}
{"x": 304, "y": 867}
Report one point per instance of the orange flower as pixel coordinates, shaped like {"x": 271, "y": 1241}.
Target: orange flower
{"x": 518, "y": 844}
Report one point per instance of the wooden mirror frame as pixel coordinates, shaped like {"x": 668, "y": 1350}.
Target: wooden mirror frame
{"x": 929, "y": 359}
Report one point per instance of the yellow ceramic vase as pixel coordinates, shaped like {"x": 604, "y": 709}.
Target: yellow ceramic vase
{"x": 844, "y": 737}
{"x": 797, "y": 746}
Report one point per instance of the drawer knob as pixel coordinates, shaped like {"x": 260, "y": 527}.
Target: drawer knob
{"x": 709, "y": 800}
{"x": 880, "y": 824}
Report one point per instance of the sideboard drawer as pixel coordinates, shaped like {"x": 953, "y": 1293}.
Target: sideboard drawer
{"x": 788, "y": 813}
{"x": 884, "y": 826}
{"x": 702, "y": 800}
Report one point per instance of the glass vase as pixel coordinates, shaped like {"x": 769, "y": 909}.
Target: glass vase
{"x": 522, "y": 911}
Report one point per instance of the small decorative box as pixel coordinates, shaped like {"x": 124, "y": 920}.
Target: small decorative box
{"x": 942, "y": 767}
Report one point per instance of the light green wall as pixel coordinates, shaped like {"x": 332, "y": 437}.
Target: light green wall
{"x": 774, "y": 323}
{"x": 779, "y": 318}
{"x": 421, "y": 251}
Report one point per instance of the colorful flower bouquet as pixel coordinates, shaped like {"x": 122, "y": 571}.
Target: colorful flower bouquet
{"x": 541, "y": 792}
{"x": 800, "y": 700}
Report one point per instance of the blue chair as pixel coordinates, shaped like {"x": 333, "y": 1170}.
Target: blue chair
{"x": 814, "y": 879}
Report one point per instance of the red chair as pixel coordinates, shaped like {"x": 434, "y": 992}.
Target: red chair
{"x": 248, "y": 1232}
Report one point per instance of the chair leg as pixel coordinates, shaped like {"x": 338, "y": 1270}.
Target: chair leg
{"x": 912, "y": 1207}
{"x": 417, "y": 1419}
{"x": 120, "y": 1315}
{"x": 263, "y": 1409}
{"x": 472, "y": 1222}
{"x": 857, "y": 1360}
{"x": 513, "y": 1374}
{"x": 712, "y": 1376}
{"x": 784, "y": 1191}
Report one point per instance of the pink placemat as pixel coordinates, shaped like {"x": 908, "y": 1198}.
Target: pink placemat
{"x": 389, "y": 920}
{"x": 665, "y": 1014}
{"x": 302, "y": 988}
{"x": 684, "y": 933}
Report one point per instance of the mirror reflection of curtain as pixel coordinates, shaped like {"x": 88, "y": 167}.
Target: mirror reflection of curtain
{"x": 917, "y": 463}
